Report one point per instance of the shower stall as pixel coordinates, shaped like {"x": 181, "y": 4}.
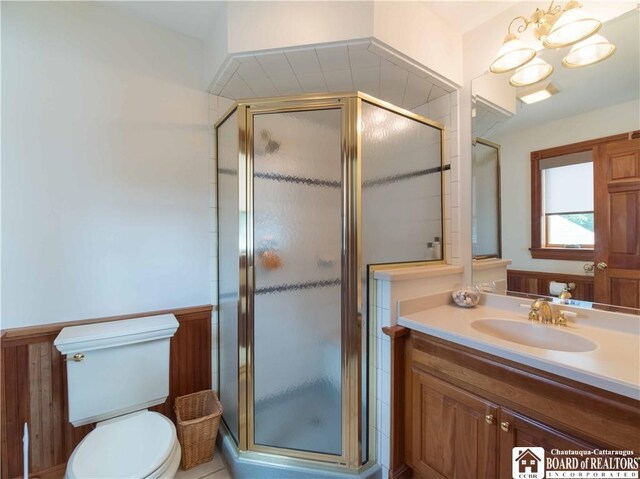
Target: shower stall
{"x": 312, "y": 192}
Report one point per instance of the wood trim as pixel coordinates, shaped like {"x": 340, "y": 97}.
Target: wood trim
{"x": 582, "y": 145}
{"x": 536, "y": 249}
{"x": 28, "y": 332}
{"x": 34, "y": 388}
{"x": 398, "y": 469}
{"x": 568, "y": 254}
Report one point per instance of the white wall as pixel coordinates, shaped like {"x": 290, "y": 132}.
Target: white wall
{"x": 260, "y": 25}
{"x": 516, "y": 163}
{"x": 410, "y": 28}
{"x": 419, "y": 33}
{"x": 105, "y": 188}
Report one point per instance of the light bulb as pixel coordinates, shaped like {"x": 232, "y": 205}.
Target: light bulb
{"x": 533, "y": 72}
{"x": 592, "y": 50}
{"x": 573, "y": 26}
{"x": 513, "y": 54}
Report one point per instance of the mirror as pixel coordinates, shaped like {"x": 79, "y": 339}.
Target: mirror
{"x": 485, "y": 185}
{"x": 589, "y": 125}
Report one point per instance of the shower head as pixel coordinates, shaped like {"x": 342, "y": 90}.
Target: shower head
{"x": 271, "y": 145}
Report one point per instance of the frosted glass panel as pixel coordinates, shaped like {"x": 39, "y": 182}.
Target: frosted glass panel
{"x": 297, "y": 250}
{"x": 401, "y": 188}
{"x": 401, "y": 202}
{"x": 228, "y": 269}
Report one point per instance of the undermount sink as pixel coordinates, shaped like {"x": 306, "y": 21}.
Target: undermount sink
{"x": 537, "y": 335}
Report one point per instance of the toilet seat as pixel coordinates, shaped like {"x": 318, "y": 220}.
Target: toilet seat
{"x": 138, "y": 445}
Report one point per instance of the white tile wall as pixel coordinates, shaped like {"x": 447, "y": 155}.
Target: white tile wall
{"x": 444, "y": 109}
{"x": 388, "y": 293}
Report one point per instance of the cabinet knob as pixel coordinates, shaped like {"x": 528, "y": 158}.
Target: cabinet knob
{"x": 489, "y": 419}
{"x": 602, "y": 265}
{"x": 505, "y": 426}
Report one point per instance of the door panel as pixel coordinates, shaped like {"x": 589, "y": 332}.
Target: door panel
{"x": 617, "y": 221}
{"x": 297, "y": 235}
{"x": 453, "y": 439}
{"x": 525, "y": 432}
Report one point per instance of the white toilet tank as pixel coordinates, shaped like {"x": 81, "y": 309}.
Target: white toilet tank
{"x": 119, "y": 366}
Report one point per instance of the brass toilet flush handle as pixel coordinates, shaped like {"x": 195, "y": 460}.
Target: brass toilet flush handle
{"x": 78, "y": 358}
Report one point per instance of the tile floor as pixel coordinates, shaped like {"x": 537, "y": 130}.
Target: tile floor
{"x": 214, "y": 469}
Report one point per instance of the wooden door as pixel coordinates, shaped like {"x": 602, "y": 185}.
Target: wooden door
{"x": 454, "y": 432}
{"x": 617, "y": 223}
{"x": 520, "y": 431}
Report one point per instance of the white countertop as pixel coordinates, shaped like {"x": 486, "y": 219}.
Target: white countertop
{"x": 614, "y": 365}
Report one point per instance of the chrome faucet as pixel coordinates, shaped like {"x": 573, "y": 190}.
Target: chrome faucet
{"x": 542, "y": 311}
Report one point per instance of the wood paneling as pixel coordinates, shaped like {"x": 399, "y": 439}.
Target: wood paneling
{"x": 524, "y": 432}
{"x": 34, "y": 388}
{"x": 617, "y": 223}
{"x": 450, "y": 436}
{"x": 398, "y": 469}
{"x": 537, "y": 282}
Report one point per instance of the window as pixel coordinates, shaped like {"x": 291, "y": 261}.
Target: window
{"x": 562, "y": 200}
{"x": 567, "y": 185}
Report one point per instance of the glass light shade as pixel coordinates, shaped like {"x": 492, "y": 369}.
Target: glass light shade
{"x": 573, "y": 26}
{"x": 513, "y": 54}
{"x": 533, "y": 72}
{"x": 592, "y": 50}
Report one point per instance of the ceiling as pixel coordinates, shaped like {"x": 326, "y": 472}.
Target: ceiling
{"x": 193, "y": 18}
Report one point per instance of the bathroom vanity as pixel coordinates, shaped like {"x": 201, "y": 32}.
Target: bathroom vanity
{"x": 463, "y": 396}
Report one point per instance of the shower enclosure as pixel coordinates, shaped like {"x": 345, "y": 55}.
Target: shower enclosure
{"x": 312, "y": 191}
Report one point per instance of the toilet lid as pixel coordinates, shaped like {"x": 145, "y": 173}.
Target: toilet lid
{"x": 132, "y": 447}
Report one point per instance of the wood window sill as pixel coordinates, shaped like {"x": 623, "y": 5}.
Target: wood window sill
{"x": 569, "y": 254}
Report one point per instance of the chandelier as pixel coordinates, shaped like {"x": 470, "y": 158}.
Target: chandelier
{"x": 555, "y": 27}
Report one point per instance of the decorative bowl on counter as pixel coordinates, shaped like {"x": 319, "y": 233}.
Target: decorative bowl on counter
{"x": 466, "y": 297}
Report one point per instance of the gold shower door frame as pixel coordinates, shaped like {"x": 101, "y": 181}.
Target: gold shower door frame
{"x": 350, "y": 105}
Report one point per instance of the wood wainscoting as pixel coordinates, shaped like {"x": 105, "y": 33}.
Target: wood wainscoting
{"x": 34, "y": 389}
{"x": 537, "y": 282}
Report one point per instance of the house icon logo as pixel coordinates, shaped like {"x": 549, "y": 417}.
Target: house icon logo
{"x": 528, "y": 462}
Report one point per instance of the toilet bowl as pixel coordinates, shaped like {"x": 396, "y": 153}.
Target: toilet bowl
{"x": 139, "y": 445}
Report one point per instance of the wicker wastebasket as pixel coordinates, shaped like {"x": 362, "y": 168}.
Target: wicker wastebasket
{"x": 198, "y": 417}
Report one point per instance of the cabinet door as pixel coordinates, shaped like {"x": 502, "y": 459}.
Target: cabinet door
{"x": 520, "y": 431}
{"x": 453, "y": 434}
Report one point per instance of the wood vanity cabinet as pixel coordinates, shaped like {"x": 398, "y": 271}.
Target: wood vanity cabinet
{"x": 458, "y": 412}
{"x": 450, "y": 436}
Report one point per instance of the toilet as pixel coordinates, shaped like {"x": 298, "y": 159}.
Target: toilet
{"x": 115, "y": 371}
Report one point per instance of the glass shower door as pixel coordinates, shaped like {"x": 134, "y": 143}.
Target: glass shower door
{"x": 228, "y": 275}
{"x": 297, "y": 235}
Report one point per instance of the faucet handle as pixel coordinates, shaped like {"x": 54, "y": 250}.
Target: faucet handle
{"x": 561, "y": 319}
